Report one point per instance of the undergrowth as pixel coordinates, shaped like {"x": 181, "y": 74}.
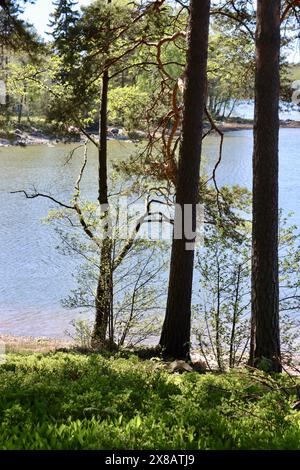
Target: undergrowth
{"x": 75, "y": 401}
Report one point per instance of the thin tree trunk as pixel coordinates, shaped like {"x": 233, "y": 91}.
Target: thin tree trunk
{"x": 20, "y": 111}
{"x": 103, "y": 185}
{"x": 104, "y": 294}
{"x": 175, "y": 337}
{"x": 235, "y": 318}
{"x": 231, "y": 109}
{"x": 21, "y": 105}
{"x": 265, "y": 337}
{"x": 218, "y": 321}
{"x": 7, "y": 97}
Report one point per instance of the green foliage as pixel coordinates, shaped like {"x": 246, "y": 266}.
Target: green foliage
{"x": 230, "y": 70}
{"x": 222, "y": 314}
{"x": 16, "y": 33}
{"x": 127, "y": 106}
{"x": 26, "y": 94}
{"x": 81, "y": 333}
{"x": 264, "y": 364}
{"x": 69, "y": 401}
{"x": 294, "y": 72}
{"x": 106, "y": 36}
{"x": 139, "y": 294}
{"x": 63, "y": 22}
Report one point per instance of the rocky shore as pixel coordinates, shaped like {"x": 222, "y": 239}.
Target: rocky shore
{"x": 36, "y": 137}
{"x": 26, "y": 138}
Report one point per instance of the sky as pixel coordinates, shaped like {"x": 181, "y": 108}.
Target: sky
{"x": 38, "y": 14}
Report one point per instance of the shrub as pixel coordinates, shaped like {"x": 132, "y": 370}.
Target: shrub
{"x": 73, "y": 401}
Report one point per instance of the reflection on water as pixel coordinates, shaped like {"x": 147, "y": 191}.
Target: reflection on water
{"x": 34, "y": 276}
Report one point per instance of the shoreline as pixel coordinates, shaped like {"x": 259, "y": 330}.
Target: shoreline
{"x": 15, "y": 344}
{"x": 240, "y": 125}
{"x": 30, "y": 344}
{"x": 29, "y": 138}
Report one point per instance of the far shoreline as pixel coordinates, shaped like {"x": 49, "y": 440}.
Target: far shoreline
{"x": 10, "y": 343}
{"x": 19, "y": 138}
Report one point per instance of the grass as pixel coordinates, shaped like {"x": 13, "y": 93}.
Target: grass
{"x": 74, "y": 401}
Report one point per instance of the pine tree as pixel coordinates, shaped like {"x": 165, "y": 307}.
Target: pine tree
{"x": 175, "y": 337}
{"x": 265, "y": 337}
{"x": 15, "y": 33}
{"x": 65, "y": 17}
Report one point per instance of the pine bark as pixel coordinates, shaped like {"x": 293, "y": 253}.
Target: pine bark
{"x": 265, "y": 337}
{"x": 175, "y": 337}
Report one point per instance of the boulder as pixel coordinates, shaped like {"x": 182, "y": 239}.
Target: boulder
{"x": 180, "y": 366}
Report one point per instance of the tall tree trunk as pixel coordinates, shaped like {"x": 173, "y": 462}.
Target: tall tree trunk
{"x": 104, "y": 294}
{"x": 20, "y": 111}
{"x": 175, "y": 337}
{"x": 104, "y": 288}
{"x": 265, "y": 337}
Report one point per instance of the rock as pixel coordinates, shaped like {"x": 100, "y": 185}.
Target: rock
{"x": 73, "y": 130}
{"x": 199, "y": 366}
{"x": 180, "y": 366}
{"x": 115, "y": 131}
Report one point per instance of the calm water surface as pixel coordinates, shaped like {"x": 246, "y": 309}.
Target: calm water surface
{"x": 34, "y": 276}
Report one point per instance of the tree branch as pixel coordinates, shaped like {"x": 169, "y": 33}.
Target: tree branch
{"x": 46, "y": 196}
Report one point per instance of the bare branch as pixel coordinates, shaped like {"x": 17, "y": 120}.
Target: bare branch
{"x": 130, "y": 242}
{"x": 75, "y": 206}
{"x": 47, "y": 196}
{"x": 215, "y": 128}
